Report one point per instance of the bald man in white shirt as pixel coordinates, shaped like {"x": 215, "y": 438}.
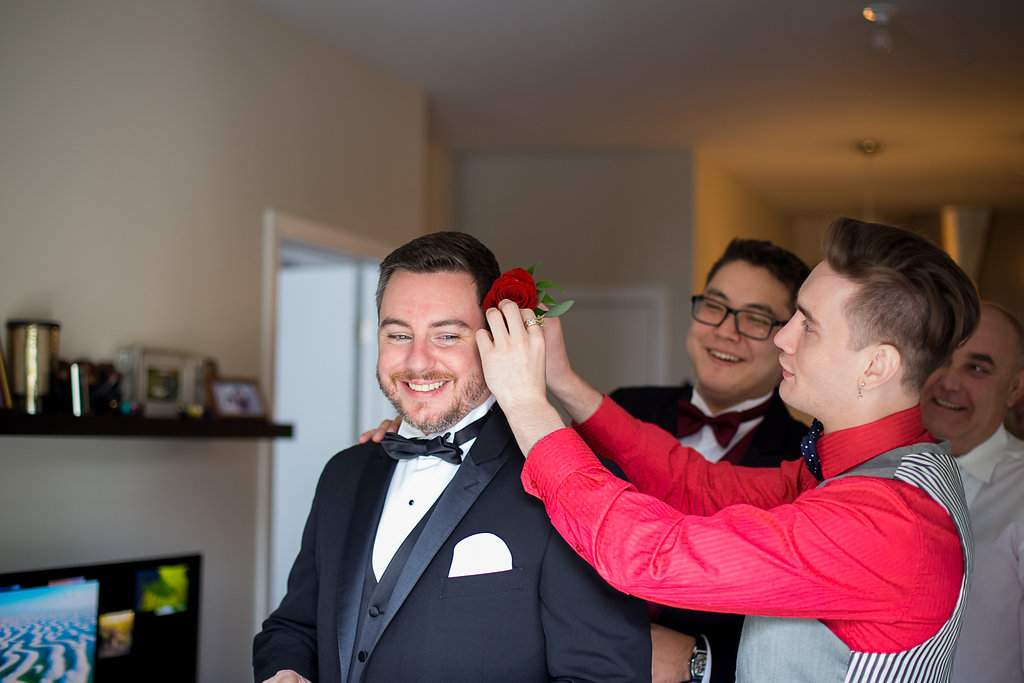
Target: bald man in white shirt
{"x": 965, "y": 401}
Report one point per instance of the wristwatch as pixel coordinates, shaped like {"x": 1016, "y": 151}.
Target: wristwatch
{"x": 698, "y": 662}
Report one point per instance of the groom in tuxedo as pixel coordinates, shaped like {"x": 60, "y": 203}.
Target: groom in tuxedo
{"x": 422, "y": 558}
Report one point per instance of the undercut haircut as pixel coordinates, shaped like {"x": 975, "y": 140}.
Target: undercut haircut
{"x": 911, "y": 294}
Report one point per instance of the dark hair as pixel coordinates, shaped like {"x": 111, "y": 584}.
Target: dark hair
{"x": 442, "y": 252}
{"x": 784, "y": 266}
{"x": 910, "y": 294}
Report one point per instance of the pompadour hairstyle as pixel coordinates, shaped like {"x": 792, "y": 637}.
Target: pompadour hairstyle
{"x": 911, "y": 294}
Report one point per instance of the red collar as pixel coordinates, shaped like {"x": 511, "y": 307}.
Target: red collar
{"x": 843, "y": 450}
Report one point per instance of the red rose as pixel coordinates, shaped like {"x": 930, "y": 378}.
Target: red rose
{"x": 515, "y": 285}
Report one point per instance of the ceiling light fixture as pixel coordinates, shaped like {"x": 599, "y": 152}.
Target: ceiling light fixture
{"x": 869, "y": 148}
{"x": 881, "y": 15}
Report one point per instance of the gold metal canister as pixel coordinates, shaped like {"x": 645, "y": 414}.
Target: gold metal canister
{"x": 33, "y": 349}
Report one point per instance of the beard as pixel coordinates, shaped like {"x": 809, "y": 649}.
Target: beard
{"x": 469, "y": 392}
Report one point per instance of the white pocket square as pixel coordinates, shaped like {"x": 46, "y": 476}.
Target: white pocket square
{"x": 480, "y": 554}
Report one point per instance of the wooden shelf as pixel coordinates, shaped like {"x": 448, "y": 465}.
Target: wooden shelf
{"x": 21, "y": 424}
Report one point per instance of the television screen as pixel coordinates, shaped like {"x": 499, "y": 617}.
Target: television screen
{"x": 134, "y": 620}
{"x": 48, "y": 633}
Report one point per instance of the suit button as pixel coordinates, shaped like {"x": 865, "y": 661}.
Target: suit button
{"x": 374, "y": 611}
{"x": 361, "y": 656}
{"x": 579, "y": 548}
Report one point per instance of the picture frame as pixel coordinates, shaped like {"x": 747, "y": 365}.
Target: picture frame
{"x": 162, "y": 382}
{"x": 237, "y": 398}
{"x": 5, "y": 389}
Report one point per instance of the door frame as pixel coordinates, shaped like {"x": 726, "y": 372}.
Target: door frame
{"x": 278, "y": 227}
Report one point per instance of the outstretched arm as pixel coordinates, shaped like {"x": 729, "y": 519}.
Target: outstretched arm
{"x": 579, "y": 398}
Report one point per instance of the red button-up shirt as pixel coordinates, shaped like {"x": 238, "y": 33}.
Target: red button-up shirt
{"x": 877, "y": 560}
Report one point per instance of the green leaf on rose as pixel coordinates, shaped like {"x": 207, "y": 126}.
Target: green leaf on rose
{"x": 554, "y": 309}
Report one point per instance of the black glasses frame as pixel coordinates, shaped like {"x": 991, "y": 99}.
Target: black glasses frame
{"x": 697, "y": 299}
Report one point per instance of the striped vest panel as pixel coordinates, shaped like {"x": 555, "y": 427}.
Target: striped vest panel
{"x": 805, "y": 650}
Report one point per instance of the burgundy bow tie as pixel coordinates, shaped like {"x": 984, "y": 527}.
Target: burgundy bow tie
{"x": 724, "y": 425}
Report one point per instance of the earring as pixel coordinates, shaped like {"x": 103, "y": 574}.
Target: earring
{"x": 859, "y": 394}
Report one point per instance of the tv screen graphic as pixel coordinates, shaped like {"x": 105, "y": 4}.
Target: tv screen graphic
{"x": 134, "y": 620}
{"x": 162, "y": 589}
{"x": 48, "y": 633}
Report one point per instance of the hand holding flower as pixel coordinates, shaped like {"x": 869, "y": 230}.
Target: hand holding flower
{"x": 578, "y": 398}
{"x": 517, "y": 285}
{"x": 513, "y": 362}
{"x": 512, "y": 355}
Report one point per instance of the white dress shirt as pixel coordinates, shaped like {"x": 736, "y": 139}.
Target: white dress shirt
{"x": 415, "y": 485}
{"x": 989, "y": 648}
{"x": 703, "y": 440}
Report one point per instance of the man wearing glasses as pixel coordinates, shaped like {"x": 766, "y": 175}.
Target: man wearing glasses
{"x": 732, "y": 412}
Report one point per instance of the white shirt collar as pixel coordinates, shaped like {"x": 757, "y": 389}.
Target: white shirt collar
{"x": 698, "y": 402}
{"x": 407, "y": 430}
{"x": 981, "y": 460}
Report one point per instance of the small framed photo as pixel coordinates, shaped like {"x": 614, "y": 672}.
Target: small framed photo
{"x": 237, "y": 398}
{"x": 163, "y": 382}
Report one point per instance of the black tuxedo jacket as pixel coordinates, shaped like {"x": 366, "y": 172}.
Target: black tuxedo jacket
{"x": 551, "y": 618}
{"x": 776, "y": 439}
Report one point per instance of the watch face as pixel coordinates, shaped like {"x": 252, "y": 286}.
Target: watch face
{"x": 698, "y": 663}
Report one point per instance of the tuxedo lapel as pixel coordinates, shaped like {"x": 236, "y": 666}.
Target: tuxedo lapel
{"x": 357, "y": 544}
{"x": 769, "y": 442}
{"x": 485, "y": 459}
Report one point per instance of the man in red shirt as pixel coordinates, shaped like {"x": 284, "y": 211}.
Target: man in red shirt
{"x": 830, "y": 554}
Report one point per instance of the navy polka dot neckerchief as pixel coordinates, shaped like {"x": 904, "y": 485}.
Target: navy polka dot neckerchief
{"x": 809, "y": 449}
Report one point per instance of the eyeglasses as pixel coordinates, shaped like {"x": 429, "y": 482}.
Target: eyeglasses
{"x": 751, "y": 324}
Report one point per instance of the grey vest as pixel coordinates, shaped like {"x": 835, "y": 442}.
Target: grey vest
{"x": 805, "y": 650}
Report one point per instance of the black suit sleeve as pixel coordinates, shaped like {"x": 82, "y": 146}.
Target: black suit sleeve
{"x": 593, "y": 632}
{"x": 288, "y": 639}
{"x": 656, "y": 405}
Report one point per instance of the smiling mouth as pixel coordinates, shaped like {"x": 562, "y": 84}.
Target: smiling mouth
{"x": 946, "y": 404}
{"x": 423, "y": 388}
{"x": 727, "y": 357}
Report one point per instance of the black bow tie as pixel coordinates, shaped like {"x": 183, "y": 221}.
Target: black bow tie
{"x": 724, "y": 425}
{"x": 403, "y": 448}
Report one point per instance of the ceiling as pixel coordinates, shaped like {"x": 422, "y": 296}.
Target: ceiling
{"x": 776, "y": 94}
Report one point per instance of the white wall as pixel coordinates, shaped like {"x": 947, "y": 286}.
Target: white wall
{"x": 604, "y": 219}
{"x": 139, "y": 145}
